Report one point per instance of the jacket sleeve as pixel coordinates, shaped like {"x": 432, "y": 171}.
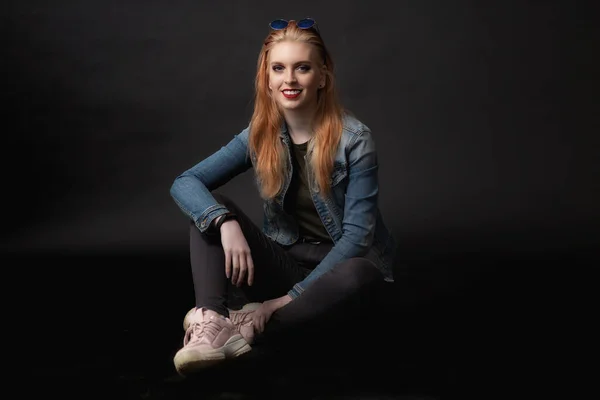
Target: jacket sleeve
{"x": 192, "y": 189}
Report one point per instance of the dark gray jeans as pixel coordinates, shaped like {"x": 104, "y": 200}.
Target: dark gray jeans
{"x": 349, "y": 290}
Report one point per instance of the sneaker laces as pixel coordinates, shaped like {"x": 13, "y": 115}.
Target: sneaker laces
{"x": 199, "y": 329}
{"x": 238, "y": 317}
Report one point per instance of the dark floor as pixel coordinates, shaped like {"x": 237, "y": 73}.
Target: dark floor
{"x": 456, "y": 326}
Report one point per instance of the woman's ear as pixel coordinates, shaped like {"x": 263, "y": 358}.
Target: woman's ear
{"x": 323, "y": 76}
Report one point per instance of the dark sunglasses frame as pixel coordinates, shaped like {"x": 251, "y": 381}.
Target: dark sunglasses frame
{"x": 305, "y": 23}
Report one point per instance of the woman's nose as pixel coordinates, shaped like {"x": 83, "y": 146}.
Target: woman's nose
{"x": 291, "y": 78}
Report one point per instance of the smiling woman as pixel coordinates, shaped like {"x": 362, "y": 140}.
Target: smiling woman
{"x": 323, "y": 252}
{"x": 297, "y": 72}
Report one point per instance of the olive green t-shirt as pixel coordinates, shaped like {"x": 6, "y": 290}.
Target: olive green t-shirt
{"x": 298, "y": 201}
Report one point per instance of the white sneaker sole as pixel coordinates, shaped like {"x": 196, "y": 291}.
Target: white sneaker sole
{"x": 187, "y": 360}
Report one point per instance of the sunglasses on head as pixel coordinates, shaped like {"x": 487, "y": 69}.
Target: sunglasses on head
{"x": 305, "y": 23}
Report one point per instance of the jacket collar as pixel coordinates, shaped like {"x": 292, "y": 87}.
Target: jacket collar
{"x": 284, "y": 134}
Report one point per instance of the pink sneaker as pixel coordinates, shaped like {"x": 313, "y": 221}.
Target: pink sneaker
{"x": 242, "y": 319}
{"x": 209, "y": 338}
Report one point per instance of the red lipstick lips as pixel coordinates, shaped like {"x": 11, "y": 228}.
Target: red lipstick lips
{"x": 291, "y": 96}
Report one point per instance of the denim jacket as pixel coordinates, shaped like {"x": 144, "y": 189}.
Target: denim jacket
{"x": 349, "y": 213}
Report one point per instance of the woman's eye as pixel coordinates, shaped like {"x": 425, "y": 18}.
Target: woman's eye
{"x": 302, "y": 68}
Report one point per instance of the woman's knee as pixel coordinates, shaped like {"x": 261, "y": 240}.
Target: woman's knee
{"x": 226, "y": 201}
{"x": 358, "y": 271}
{"x": 221, "y": 198}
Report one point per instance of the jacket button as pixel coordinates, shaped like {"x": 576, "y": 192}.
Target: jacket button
{"x": 203, "y": 223}
{"x": 328, "y": 219}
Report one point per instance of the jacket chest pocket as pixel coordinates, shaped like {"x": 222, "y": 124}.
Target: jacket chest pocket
{"x": 340, "y": 173}
{"x": 339, "y": 183}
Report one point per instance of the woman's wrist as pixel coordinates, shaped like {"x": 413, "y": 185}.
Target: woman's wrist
{"x": 221, "y": 219}
{"x": 216, "y": 220}
{"x": 283, "y": 300}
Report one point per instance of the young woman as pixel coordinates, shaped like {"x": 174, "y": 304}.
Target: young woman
{"x": 323, "y": 247}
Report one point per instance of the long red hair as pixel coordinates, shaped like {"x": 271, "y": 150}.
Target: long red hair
{"x": 266, "y": 121}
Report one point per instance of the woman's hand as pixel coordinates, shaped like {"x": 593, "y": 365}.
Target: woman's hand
{"x": 238, "y": 260}
{"x": 261, "y": 316}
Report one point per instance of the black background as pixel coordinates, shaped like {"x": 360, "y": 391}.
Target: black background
{"x": 487, "y": 142}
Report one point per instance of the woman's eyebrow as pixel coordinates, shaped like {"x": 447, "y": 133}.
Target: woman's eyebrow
{"x": 298, "y": 62}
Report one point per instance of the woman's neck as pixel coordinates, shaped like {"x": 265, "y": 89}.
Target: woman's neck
{"x": 300, "y": 125}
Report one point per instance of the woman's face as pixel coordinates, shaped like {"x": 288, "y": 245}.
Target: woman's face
{"x": 295, "y": 73}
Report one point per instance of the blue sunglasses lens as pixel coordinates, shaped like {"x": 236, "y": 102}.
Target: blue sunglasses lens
{"x": 278, "y": 24}
{"x": 305, "y": 23}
